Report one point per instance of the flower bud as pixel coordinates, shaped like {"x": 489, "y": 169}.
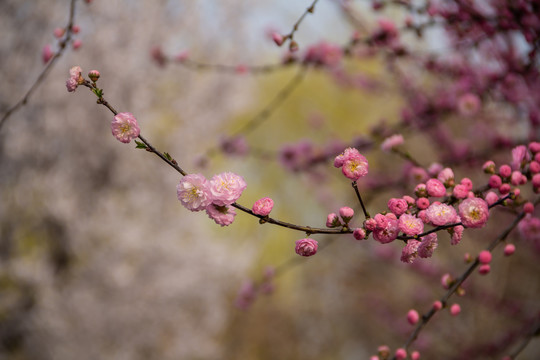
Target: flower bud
{"x": 93, "y": 75}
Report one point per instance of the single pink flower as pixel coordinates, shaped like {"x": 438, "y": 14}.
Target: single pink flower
{"x": 397, "y": 206}
{"x": 370, "y": 224}
{"x": 467, "y": 183}
{"x": 505, "y": 170}
{"x": 306, "y": 247}
{"x": 428, "y": 245}
{"x": 401, "y": 354}
{"x": 474, "y": 212}
{"x": 124, "y": 127}
{"x": 460, "y": 191}
{"x": 193, "y": 191}
{"x": 246, "y": 295}
{"x": 441, "y": 214}
{"x": 388, "y": 232}
{"x": 446, "y": 176}
{"x": 495, "y": 181}
{"x": 410, "y": 251}
{"x": 278, "y": 39}
{"x": 411, "y": 225}
{"x": 422, "y": 203}
{"x": 222, "y": 215}
{"x": 519, "y": 156}
{"x": 226, "y": 188}
{"x": 263, "y": 206}
{"x": 529, "y": 229}
{"x": 435, "y": 188}
{"x": 457, "y": 234}
{"x": 391, "y": 142}
{"x": 359, "y": 234}
{"x": 75, "y": 78}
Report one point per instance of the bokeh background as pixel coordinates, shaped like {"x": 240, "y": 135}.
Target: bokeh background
{"x": 99, "y": 260}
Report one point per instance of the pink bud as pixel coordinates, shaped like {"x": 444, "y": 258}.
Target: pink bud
{"x": 437, "y": 305}
{"x": 495, "y": 181}
{"x": 455, "y": 309}
{"x": 263, "y": 206}
{"x": 332, "y": 220}
{"x": 401, "y": 354}
{"x": 75, "y": 29}
{"x": 359, "y": 234}
{"x": 46, "y": 53}
{"x": 346, "y": 214}
{"x": 484, "y": 257}
{"x": 415, "y": 355}
{"x": 489, "y": 167}
{"x": 504, "y": 189}
{"x": 306, "y": 247}
{"x": 413, "y": 317}
{"x": 94, "y": 75}
{"x": 505, "y": 170}
{"x": 77, "y": 44}
{"x": 59, "y": 32}
{"x": 278, "y": 39}
{"x": 484, "y": 269}
{"x": 422, "y": 203}
{"x": 509, "y": 249}
{"x": 446, "y": 281}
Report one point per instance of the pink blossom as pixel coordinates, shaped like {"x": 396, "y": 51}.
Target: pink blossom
{"x": 447, "y": 280}
{"x": 370, "y": 224}
{"x": 59, "y": 32}
{"x": 505, "y": 170}
{"x": 467, "y": 183}
{"x": 417, "y": 174}
{"x": 468, "y": 104}
{"x": 306, "y": 247}
{"x": 519, "y": 155}
{"x": 359, "y": 234}
{"x": 484, "y": 269}
{"x": 193, "y": 191}
{"x": 460, "y": 191}
{"x": 401, "y": 354}
{"x": 46, "y": 53}
{"x": 534, "y": 167}
{"x": 495, "y": 181}
{"x": 528, "y": 207}
{"x": 352, "y": 163}
{"x": 383, "y": 351}
{"x": 509, "y": 249}
{"x": 536, "y": 180}
{"x": 278, "y": 39}
{"x": 457, "y": 234}
{"x": 413, "y": 317}
{"x": 420, "y": 190}
{"x": 437, "y": 305}
{"x": 182, "y": 56}
{"x": 397, "y": 206}
{"x": 246, "y": 295}
{"x": 226, "y": 188}
{"x": 517, "y": 178}
{"x": 455, "y": 309}
{"x": 484, "y": 257}
{"x": 222, "y": 215}
{"x": 529, "y": 229}
{"x": 441, "y": 214}
{"x": 415, "y": 355}
{"x": 391, "y": 142}
{"x": 428, "y": 245}
{"x": 534, "y": 147}
{"x": 422, "y": 203}
{"x": 474, "y": 212}
{"x": 346, "y": 214}
{"x": 332, "y": 221}
{"x": 410, "y": 251}
{"x": 236, "y": 145}
{"x": 94, "y": 75}
{"x": 75, "y": 78}
{"x": 263, "y": 206}
{"x": 409, "y": 200}
{"x": 434, "y": 169}
{"x": 435, "y": 188}
{"x": 504, "y": 189}
{"x": 446, "y": 176}
{"x": 489, "y": 167}
{"x": 411, "y": 225}
{"x": 324, "y": 53}
{"x": 124, "y": 127}
{"x": 76, "y": 44}
{"x": 387, "y": 231}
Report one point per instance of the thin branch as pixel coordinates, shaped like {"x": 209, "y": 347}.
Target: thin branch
{"x": 62, "y": 46}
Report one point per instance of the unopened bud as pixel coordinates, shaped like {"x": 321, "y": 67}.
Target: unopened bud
{"x": 93, "y": 75}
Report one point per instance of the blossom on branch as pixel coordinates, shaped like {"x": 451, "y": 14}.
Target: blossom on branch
{"x": 226, "y": 188}
{"x": 474, "y": 212}
{"x": 193, "y": 191}
{"x": 306, "y": 247}
{"x": 124, "y": 127}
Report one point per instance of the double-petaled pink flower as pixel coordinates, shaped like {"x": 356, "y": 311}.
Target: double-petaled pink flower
{"x": 124, "y": 127}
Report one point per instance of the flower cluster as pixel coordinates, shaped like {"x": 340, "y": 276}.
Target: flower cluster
{"x": 215, "y": 196}
{"x": 75, "y": 78}
{"x": 353, "y": 164}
